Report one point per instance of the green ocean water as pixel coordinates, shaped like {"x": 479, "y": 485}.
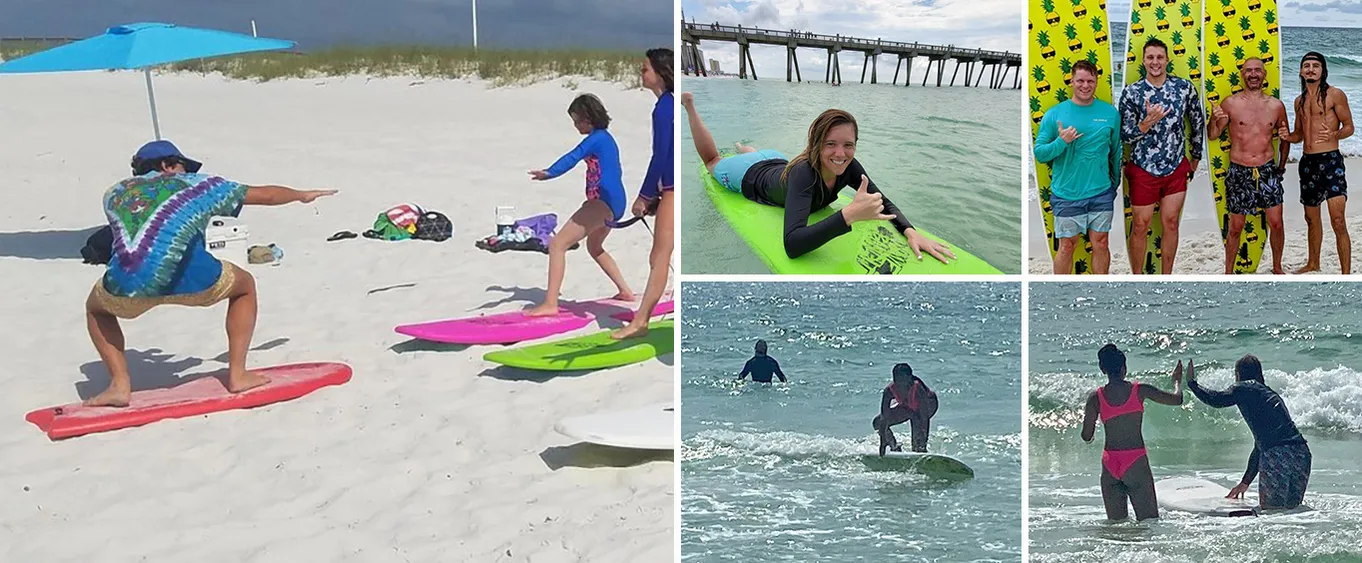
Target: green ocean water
{"x": 1309, "y": 339}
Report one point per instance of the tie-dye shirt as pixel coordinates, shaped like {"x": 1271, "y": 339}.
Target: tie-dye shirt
{"x": 1161, "y": 150}
{"x": 604, "y": 178}
{"x": 158, "y": 223}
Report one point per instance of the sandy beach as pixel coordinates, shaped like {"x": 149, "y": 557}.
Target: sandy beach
{"x": 1201, "y": 250}
{"x": 427, "y": 454}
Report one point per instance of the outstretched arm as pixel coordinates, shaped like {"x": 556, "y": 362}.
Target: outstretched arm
{"x": 570, "y": 160}
{"x": 1217, "y": 399}
{"x": 1090, "y": 417}
{"x": 282, "y": 195}
{"x": 1160, "y": 396}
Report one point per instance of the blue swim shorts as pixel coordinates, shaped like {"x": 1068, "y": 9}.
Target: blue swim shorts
{"x": 730, "y": 171}
{"x": 1073, "y": 218}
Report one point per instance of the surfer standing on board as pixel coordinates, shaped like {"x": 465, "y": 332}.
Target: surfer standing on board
{"x": 158, "y": 218}
{"x": 1153, "y": 113}
{"x": 1281, "y": 457}
{"x": 761, "y": 366}
{"x": 1322, "y": 119}
{"x": 1085, "y": 158}
{"x": 808, "y": 183}
{"x": 1125, "y": 462}
{"x": 1254, "y": 181}
{"x": 911, "y": 402}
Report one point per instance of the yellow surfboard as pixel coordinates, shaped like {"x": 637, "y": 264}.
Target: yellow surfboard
{"x": 1061, "y": 33}
{"x": 1175, "y": 22}
{"x": 1233, "y": 31}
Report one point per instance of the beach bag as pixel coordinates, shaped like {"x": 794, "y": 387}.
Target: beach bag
{"x": 543, "y": 225}
{"x": 384, "y": 229}
{"x": 433, "y": 226}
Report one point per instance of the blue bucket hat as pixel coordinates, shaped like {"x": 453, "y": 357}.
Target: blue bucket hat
{"x": 156, "y": 150}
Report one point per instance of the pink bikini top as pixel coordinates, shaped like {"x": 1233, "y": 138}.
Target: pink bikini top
{"x": 1107, "y": 411}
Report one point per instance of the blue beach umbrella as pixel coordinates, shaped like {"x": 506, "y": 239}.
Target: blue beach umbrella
{"x": 142, "y": 46}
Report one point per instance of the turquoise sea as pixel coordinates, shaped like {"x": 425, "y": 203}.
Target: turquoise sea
{"x": 771, "y": 472}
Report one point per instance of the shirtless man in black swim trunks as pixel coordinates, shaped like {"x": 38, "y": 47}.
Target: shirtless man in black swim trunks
{"x": 913, "y": 402}
{"x": 761, "y": 366}
{"x": 1254, "y": 181}
{"x": 1126, "y": 473}
{"x": 1322, "y": 119}
{"x": 1281, "y": 457}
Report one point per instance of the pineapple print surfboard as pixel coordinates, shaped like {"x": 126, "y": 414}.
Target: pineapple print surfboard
{"x": 1061, "y": 33}
{"x": 1235, "y": 30}
{"x": 1175, "y": 22}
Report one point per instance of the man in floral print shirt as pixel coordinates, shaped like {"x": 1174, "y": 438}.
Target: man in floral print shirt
{"x": 1153, "y": 113}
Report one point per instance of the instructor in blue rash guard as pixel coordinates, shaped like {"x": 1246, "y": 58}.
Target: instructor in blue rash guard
{"x": 810, "y": 182}
{"x": 761, "y": 366}
{"x": 1281, "y": 457}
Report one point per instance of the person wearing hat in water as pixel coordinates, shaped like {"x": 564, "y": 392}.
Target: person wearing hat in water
{"x": 906, "y": 399}
{"x": 761, "y": 366}
{"x": 159, "y": 257}
{"x": 1322, "y": 120}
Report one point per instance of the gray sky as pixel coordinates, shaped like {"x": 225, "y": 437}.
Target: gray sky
{"x": 1294, "y": 13}
{"x": 621, "y": 24}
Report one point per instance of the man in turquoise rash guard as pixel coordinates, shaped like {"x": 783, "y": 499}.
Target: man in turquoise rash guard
{"x": 1085, "y": 163}
{"x": 159, "y": 258}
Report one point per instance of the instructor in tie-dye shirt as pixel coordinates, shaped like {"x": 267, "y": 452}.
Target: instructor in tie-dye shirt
{"x": 157, "y": 218}
{"x": 1153, "y": 113}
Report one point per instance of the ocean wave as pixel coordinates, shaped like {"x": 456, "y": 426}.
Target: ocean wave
{"x": 796, "y": 446}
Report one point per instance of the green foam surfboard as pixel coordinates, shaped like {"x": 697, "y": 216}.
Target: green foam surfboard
{"x": 593, "y": 351}
{"x": 936, "y": 465}
{"x": 872, "y": 247}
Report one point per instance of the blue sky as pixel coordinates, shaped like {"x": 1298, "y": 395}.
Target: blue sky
{"x": 986, "y": 24}
{"x": 633, "y": 24}
{"x": 1294, "y": 13}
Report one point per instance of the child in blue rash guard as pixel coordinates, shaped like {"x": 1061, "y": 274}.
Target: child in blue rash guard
{"x": 605, "y": 200}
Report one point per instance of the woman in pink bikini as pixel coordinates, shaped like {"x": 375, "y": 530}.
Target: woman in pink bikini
{"x": 1125, "y": 465}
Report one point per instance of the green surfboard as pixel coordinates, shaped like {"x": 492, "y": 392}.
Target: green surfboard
{"x": 935, "y": 465}
{"x": 872, "y": 247}
{"x": 593, "y": 351}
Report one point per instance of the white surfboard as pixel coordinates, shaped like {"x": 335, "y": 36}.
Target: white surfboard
{"x": 938, "y": 465}
{"x": 646, "y": 428}
{"x": 1200, "y": 496}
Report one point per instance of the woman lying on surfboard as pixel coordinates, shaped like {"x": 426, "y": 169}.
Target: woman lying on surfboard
{"x": 808, "y": 183}
{"x": 604, "y": 200}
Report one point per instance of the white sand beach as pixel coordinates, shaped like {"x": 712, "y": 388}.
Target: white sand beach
{"x": 427, "y": 454}
{"x": 1201, "y": 250}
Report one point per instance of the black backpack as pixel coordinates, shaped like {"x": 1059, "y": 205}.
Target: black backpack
{"x": 99, "y": 247}
{"x": 433, "y": 225}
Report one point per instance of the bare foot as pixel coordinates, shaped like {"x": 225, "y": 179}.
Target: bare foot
{"x": 545, "y": 310}
{"x": 111, "y": 397}
{"x": 246, "y": 381}
{"x": 625, "y": 296}
{"x": 1308, "y": 268}
{"x": 1279, "y": 271}
{"x": 630, "y": 331}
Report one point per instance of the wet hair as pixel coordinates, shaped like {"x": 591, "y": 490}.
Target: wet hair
{"x": 1085, "y": 65}
{"x": 661, "y": 60}
{"x": 818, "y": 134}
{"x": 1323, "y": 80}
{"x": 143, "y": 166}
{"x": 1154, "y": 42}
{"x": 590, "y": 108}
{"x": 902, "y": 371}
{"x": 1112, "y": 361}
{"x": 761, "y": 347}
{"x": 1248, "y": 368}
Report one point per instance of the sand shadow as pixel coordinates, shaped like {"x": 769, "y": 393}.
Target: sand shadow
{"x": 527, "y": 295}
{"x": 418, "y": 345}
{"x": 150, "y": 369}
{"x": 46, "y": 245}
{"x": 589, "y": 456}
{"x": 223, "y": 357}
{"x": 507, "y": 373}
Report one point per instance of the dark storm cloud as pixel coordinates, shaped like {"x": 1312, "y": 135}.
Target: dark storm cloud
{"x": 319, "y": 23}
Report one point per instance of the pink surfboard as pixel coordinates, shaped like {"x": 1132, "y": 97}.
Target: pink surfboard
{"x": 662, "y": 308}
{"x": 510, "y": 327}
{"x": 200, "y": 396}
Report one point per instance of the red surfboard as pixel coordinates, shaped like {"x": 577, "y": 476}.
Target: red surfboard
{"x": 200, "y": 396}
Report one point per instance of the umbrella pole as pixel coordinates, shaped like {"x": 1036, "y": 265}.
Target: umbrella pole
{"x": 151, "y": 95}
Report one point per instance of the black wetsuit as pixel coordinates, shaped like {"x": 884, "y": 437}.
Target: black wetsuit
{"x": 806, "y": 194}
{"x": 1263, "y": 410}
{"x": 762, "y": 367}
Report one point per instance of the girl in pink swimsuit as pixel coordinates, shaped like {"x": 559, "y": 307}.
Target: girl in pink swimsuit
{"x": 1126, "y": 473}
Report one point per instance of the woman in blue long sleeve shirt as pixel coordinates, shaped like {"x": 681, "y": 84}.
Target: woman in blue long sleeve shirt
{"x": 656, "y": 195}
